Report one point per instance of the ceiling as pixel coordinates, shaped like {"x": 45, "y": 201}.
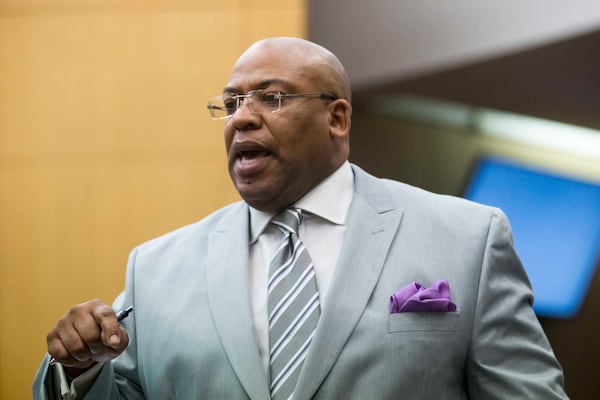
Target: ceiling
{"x": 558, "y": 81}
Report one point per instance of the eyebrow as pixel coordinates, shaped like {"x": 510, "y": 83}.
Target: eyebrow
{"x": 262, "y": 85}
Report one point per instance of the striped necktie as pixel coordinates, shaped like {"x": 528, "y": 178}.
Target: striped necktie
{"x": 294, "y": 306}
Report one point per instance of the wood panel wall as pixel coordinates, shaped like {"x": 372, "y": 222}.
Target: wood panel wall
{"x": 105, "y": 142}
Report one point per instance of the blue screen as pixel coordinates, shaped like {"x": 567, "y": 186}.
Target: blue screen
{"x": 556, "y": 229}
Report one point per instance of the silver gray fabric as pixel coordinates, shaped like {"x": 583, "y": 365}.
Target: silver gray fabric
{"x": 192, "y": 330}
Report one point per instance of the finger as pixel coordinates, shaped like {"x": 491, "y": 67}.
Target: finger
{"x": 89, "y": 332}
{"x": 65, "y": 341}
{"x": 112, "y": 333}
{"x": 65, "y": 348}
{"x": 65, "y": 359}
{"x": 106, "y": 355}
{"x": 117, "y": 342}
{"x": 74, "y": 344}
{"x": 98, "y": 347}
{"x": 75, "y": 349}
{"x": 57, "y": 350}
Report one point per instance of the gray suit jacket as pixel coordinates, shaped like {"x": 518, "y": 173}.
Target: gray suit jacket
{"x": 192, "y": 337}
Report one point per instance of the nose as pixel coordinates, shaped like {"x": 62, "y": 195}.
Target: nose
{"x": 243, "y": 117}
{"x": 244, "y": 100}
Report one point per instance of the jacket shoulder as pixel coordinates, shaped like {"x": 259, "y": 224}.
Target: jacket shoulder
{"x": 412, "y": 199}
{"x": 196, "y": 231}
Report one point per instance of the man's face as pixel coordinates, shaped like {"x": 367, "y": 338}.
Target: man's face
{"x": 276, "y": 158}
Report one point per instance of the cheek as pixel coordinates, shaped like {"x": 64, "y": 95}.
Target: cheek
{"x": 301, "y": 141}
{"x": 227, "y": 137}
{"x": 301, "y": 133}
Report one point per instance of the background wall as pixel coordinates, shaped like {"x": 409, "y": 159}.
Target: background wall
{"x": 105, "y": 142}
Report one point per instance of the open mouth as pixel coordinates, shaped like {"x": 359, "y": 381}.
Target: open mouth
{"x": 249, "y": 155}
{"x": 250, "y": 158}
{"x": 248, "y": 151}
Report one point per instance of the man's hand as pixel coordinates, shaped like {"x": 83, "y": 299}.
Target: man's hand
{"x": 88, "y": 333}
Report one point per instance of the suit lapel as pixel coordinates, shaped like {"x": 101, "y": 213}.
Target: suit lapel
{"x": 372, "y": 224}
{"x": 228, "y": 296}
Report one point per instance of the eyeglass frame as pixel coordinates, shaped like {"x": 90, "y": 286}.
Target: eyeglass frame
{"x": 238, "y": 98}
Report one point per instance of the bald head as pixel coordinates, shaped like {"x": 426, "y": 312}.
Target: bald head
{"x": 277, "y": 157}
{"x": 311, "y": 60}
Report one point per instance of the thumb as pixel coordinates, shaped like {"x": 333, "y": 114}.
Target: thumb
{"x": 115, "y": 339}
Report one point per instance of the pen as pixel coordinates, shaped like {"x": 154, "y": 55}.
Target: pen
{"x": 121, "y": 315}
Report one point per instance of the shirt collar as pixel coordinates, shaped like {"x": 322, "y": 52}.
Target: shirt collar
{"x": 330, "y": 200}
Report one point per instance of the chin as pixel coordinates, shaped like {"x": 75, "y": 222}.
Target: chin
{"x": 259, "y": 200}
{"x": 249, "y": 193}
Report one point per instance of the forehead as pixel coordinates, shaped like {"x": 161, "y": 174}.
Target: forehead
{"x": 265, "y": 66}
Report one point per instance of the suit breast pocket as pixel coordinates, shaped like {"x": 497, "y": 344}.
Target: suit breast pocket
{"x": 423, "y": 322}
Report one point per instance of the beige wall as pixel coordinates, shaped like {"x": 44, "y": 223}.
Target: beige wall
{"x": 105, "y": 142}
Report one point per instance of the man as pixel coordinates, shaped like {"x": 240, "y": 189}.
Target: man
{"x": 207, "y": 322}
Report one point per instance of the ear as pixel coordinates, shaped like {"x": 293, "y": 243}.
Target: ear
{"x": 340, "y": 112}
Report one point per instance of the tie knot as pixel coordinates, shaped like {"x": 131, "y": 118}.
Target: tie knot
{"x": 288, "y": 220}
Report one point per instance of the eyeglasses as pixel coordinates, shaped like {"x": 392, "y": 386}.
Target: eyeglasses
{"x": 258, "y": 101}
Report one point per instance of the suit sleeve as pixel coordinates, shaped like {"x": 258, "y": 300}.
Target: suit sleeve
{"x": 510, "y": 356}
{"x": 115, "y": 380}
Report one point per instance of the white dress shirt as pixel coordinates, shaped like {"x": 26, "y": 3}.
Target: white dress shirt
{"x": 322, "y": 231}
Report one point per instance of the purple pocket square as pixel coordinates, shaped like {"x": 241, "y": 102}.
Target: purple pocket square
{"x": 416, "y": 298}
